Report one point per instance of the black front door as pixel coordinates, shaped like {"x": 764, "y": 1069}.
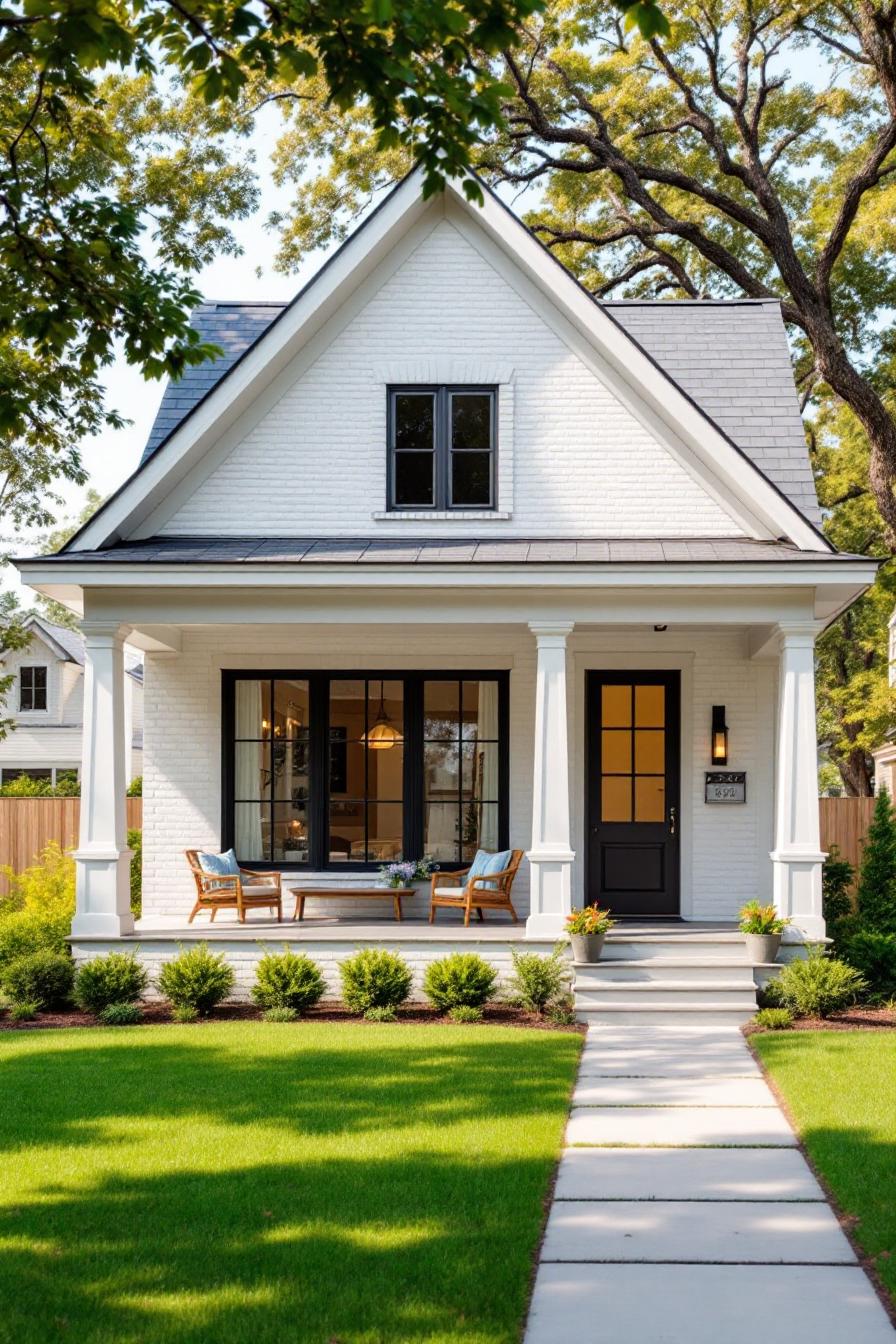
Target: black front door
{"x": 632, "y": 792}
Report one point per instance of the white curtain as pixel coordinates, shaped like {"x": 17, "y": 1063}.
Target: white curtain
{"x": 487, "y": 762}
{"x": 247, "y": 830}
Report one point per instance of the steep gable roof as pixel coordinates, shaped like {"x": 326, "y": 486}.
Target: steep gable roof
{"x": 626, "y": 364}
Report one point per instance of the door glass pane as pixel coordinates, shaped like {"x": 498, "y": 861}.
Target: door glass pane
{"x": 480, "y": 829}
{"x": 414, "y": 479}
{"x": 440, "y": 771}
{"x": 471, "y": 420}
{"x": 252, "y": 831}
{"x": 650, "y": 798}
{"x": 616, "y": 751}
{"x": 480, "y": 710}
{"x": 441, "y": 709}
{"x": 414, "y": 419}
{"x": 252, "y": 709}
{"x": 480, "y": 769}
{"x": 616, "y": 706}
{"x": 346, "y": 842}
{"x": 252, "y": 772}
{"x": 650, "y": 706}
{"x": 441, "y": 832}
{"x": 616, "y": 798}
{"x": 290, "y": 709}
{"x": 471, "y": 479}
{"x": 383, "y": 832}
{"x": 650, "y": 751}
{"x": 290, "y": 833}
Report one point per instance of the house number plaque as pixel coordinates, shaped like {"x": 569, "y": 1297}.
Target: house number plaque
{"x": 726, "y": 786}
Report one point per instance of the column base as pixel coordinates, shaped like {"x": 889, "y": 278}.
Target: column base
{"x": 551, "y": 891}
{"x": 103, "y": 893}
{"x": 796, "y": 877}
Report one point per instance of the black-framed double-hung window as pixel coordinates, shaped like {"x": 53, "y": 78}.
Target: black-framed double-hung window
{"x": 442, "y": 447}
{"x": 32, "y": 688}
{"x": 350, "y": 770}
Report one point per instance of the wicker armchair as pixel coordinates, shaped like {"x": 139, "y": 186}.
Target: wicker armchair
{"x": 216, "y": 891}
{"x": 491, "y": 892}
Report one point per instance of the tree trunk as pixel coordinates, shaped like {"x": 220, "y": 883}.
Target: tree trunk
{"x": 855, "y": 773}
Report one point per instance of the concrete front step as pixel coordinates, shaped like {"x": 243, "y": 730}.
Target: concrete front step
{"x": 660, "y": 993}
{"x": 669, "y": 969}
{"x": 648, "y": 1013}
{"x": 623, "y": 946}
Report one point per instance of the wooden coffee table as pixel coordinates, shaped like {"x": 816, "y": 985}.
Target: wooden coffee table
{"x": 349, "y": 894}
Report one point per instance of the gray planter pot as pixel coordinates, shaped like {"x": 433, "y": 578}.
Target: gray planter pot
{"x": 587, "y": 946}
{"x": 762, "y": 946}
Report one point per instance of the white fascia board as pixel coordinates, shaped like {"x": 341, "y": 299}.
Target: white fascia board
{"x": 298, "y": 323}
{"x": 746, "y": 483}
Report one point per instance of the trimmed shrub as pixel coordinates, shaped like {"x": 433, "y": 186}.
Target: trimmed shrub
{"x": 769, "y": 995}
{"x": 113, "y": 979}
{"x": 135, "y": 842}
{"x": 873, "y": 955}
{"x": 198, "y": 979}
{"x": 23, "y": 1012}
{"x": 184, "y": 1012}
{"x": 375, "y": 979}
{"x": 382, "y": 1014}
{"x": 44, "y": 978}
{"x": 774, "y": 1019}
{"x": 287, "y": 980}
{"x": 465, "y": 1012}
{"x": 538, "y": 981}
{"x": 124, "y": 1014}
{"x": 876, "y": 892}
{"x": 819, "y": 986}
{"x": 281, "y": 1014}
{"x": 462, "y": 980}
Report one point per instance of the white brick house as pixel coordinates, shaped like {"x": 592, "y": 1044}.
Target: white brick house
{"x": 45, "y": 705}
{"x": 555, "y": 541}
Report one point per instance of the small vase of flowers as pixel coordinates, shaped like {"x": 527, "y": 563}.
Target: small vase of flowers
{"x": 763, "y": 927}
{"x": 587, "y": 930}
{"x": 405, "y": 871}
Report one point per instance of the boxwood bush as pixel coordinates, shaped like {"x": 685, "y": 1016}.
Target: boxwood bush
{"x": 873, "y": 955}
{"x": 287, "y": 980}
{"x": 43, "y": 978}
{"x": 196, "y": 981}
{"x": 375, "y": 978}
{"x": 538, "y": 981}
{"x": 819, "y": 986}
{"x": 461, "y": 980}
{"x": 116, "y": 978}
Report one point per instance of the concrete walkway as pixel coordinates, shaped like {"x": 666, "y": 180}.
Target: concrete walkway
{"x": 684, "y": 1212}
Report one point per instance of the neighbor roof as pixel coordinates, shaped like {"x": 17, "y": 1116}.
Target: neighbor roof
{"x": 730, "y": 357}
{"x": 67, "y": 644}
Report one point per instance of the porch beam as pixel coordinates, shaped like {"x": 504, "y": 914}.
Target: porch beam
{"x": 797, "y": 856}
{"x": 551, "y": 855}
{"x": 102, "y": 883}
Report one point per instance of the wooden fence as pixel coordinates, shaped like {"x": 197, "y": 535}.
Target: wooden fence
{"x": 844, "y": 823}
{"x": 27, "y": 825}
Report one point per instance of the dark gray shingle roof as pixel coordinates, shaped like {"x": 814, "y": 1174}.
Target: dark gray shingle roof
{"x": 429, "y": 551}
{"x": 70, "y": 641}
{"x": 731, "y": 358}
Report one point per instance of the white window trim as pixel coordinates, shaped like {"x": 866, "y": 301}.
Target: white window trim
{"x": 34, "y": 667}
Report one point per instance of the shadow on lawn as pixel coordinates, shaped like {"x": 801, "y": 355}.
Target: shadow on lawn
{"x": 351, "y": 1247}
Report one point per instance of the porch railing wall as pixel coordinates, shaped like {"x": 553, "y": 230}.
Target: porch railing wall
{"x": 844, "y": 823}
{"x": 27, "y": 825}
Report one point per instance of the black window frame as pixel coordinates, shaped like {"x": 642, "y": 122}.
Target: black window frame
{"x": 442, "y": 449}
{"x": 413, "y": 817}
{"x": 35, "y": 690}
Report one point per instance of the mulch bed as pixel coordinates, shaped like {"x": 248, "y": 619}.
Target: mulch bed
{"x": 858, "y": 1018}
{"x": 157, "y": 1014}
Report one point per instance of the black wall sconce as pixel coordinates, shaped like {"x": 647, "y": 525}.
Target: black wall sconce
{"x": 719, "y": 748}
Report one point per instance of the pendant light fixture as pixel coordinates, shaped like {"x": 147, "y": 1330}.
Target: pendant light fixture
{"x": 383, "y": 735}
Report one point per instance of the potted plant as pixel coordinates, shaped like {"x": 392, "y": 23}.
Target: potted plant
{"x": 763, "y": 927}
{"x": 405, "y": 871}
{"x": 587, "y": 930}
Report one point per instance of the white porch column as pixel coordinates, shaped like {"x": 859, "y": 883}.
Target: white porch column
{"x": 797, "y": 857}
{"x": 102, "y": 902}
{"x": 550, "y": 856}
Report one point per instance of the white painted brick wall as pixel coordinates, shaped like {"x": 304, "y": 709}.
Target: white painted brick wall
{"x": 724, "y": 848}
{"x": 315, "y": 463}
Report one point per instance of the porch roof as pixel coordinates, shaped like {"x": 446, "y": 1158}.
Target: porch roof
{"x": 447, "y": 551}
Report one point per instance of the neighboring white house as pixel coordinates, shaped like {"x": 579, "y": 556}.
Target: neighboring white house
{"x": 885, "y": 756}
{"x": 570, "y": 551}
{"x": 45, "y": 704}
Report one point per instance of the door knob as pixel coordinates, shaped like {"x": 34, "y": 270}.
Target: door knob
{"x": 673, "y": 814}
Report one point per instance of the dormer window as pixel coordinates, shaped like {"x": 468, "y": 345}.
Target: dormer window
{"x": 442, "y": 448}
{"x": 32, "y": 688}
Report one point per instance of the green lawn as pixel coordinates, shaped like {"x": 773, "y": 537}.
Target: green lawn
{"x": 326, "y": 1183}
{"x": 841, "y": 1090}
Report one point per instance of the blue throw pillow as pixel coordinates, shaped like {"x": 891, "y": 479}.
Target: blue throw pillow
{"x": 485, "y": 863}
{"x": 220, "y": 865}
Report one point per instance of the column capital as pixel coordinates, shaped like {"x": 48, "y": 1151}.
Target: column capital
{"x": 797, "y": 634}
{"x": 551, "y": 632}
{"x": 103, "y": 634}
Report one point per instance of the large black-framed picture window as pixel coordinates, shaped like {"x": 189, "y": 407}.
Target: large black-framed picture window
{"x": 350, "y": 770}
{"x": 442, "y": 447}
